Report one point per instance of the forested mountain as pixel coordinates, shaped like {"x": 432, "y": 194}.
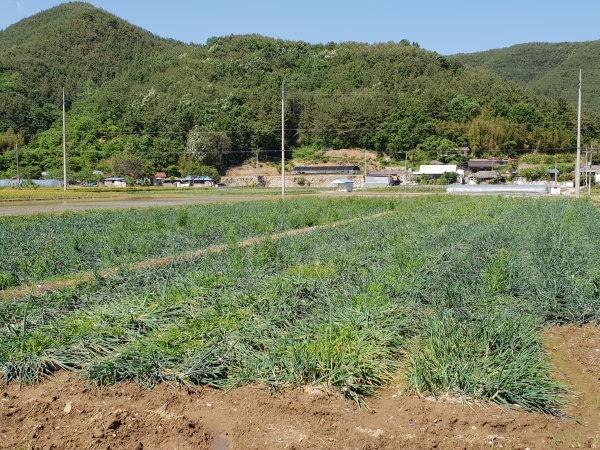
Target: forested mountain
{"x": 140, "y": 103}
{"x": 550, "y": 69}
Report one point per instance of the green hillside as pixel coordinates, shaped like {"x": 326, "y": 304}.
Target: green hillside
{"x": 138, "y": 103}
{"x": 550, "y": 69}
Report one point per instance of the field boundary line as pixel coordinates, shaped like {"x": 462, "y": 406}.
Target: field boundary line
{"x": 83, "y": 277}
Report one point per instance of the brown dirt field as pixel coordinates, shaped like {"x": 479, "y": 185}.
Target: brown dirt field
{"x": 250, "y": 171}
{"x": 68, "y": 413}
{"x": 350, "y": 153}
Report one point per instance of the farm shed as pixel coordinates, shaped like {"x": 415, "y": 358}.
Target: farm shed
{"x": 380, "y": 179}
{"x": 344, "y": 184}
{"x": 325, "y": 170}
{"x": 115, "y": 182}
{"x": 435, "y": 170}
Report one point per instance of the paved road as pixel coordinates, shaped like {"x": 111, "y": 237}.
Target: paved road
{"x": 58, "y": 206}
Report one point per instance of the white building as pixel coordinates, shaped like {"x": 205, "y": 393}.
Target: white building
{"x": 437, "y": 170}
{"x": 380, "y": 179}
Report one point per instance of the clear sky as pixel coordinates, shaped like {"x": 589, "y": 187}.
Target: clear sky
{"x": 444, "y": 26}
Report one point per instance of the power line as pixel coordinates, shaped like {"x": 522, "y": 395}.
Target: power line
{"x": 330, "y": 130}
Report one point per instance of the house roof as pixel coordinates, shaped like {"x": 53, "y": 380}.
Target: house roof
{"x": 483, "y": 163}
{"x": 429, "y": 169}
{"x": 486, "y": 174}
{"x": 160, "y": 175}
{"x": 383, "y": 173}
{"x": 586, "y": 169}
{"x": 197, "y": 178}
{"x": 342, "y": 181}
{"x": 325, "y": 168}
{"x": 114, "y": 179}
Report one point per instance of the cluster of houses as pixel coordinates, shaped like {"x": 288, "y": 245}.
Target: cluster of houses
{"x": 161, "y": 178}
{"x": 474, "y": 171}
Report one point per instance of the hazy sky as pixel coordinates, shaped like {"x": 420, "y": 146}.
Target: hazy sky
{"x": 443, "y": 26}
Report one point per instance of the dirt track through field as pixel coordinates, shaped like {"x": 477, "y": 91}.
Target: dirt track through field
{"x": 40, "y": 288}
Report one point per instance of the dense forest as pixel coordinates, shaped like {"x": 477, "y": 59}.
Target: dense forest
{"x": 549, "y": 69}
{"x": 137, "y": 103}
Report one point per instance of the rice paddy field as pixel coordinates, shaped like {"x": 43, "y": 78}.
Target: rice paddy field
{"x": 441, "y": 298}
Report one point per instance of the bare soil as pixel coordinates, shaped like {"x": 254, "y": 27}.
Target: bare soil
{"x": 350, "y": 153}
{"x": 60, "y": 206}
{"x": 67, "y": 413}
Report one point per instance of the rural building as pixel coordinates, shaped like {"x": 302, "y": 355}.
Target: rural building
{"x": 159, "y": 178}
{"x": 485, "y": 175}
{"x": 478, "y": 165}
{"x": 344, "y": 184}
{"x": 115, "y": 182}
{"x": 594, "y": 170}
{"x": 380, "y": 179}
{"x": 195, "y": 181}
{"x": 325, "y": 170}
{"x": 436, "y": 170}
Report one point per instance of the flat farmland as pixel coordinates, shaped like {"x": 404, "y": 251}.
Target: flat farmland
{"x": 446, "y": 322}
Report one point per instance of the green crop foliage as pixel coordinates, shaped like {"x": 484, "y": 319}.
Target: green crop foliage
{"x": 449, "y": 292}
{"x": 34, "y": 249}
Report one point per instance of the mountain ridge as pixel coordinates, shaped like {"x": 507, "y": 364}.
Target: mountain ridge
{"x": 548, "y": 68}
{"x": 171, "y": 105}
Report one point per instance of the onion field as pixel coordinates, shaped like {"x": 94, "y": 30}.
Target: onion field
{"x": 447, "y": 295}
{"x": 35, "y": 248}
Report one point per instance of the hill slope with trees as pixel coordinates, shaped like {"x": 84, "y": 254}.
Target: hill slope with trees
{"x": 550, "y": 69}
{"x": 140, "y": 103}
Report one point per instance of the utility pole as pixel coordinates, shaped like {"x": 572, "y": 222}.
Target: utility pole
{"x": 589, "y": 170}
{"x": 591, "y": 164}
{"x": 406, "y": 165}
{"x": 257, "y": 166}
{"x": 586, "y": 167}
{"x": 578, "y": 160}
{"x": 18, "y": 173}
{"x": 365, "y": 177}
{"x": 282, "y": 139}
{"x": 64, "y": 143}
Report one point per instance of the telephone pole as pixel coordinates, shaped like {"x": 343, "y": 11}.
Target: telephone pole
{"x": 589, "y": 177}
{"x": 578, "y": 160}
{"x": 64, "y": 143}
{"x": 18, "y": 173}
{"x": 365, "y": 177}
{"x": 282, "y": 139}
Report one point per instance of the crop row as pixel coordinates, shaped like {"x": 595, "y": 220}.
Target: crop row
{"x": 452, "y": 294}
{"x": 33, "y": 248}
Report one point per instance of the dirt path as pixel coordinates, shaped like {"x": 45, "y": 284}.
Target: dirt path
{"x": 58, "y": 206}
{"x": 575, "y": 352}
{"x": 67, "y": 413}
{"x": 38, "y": 289}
